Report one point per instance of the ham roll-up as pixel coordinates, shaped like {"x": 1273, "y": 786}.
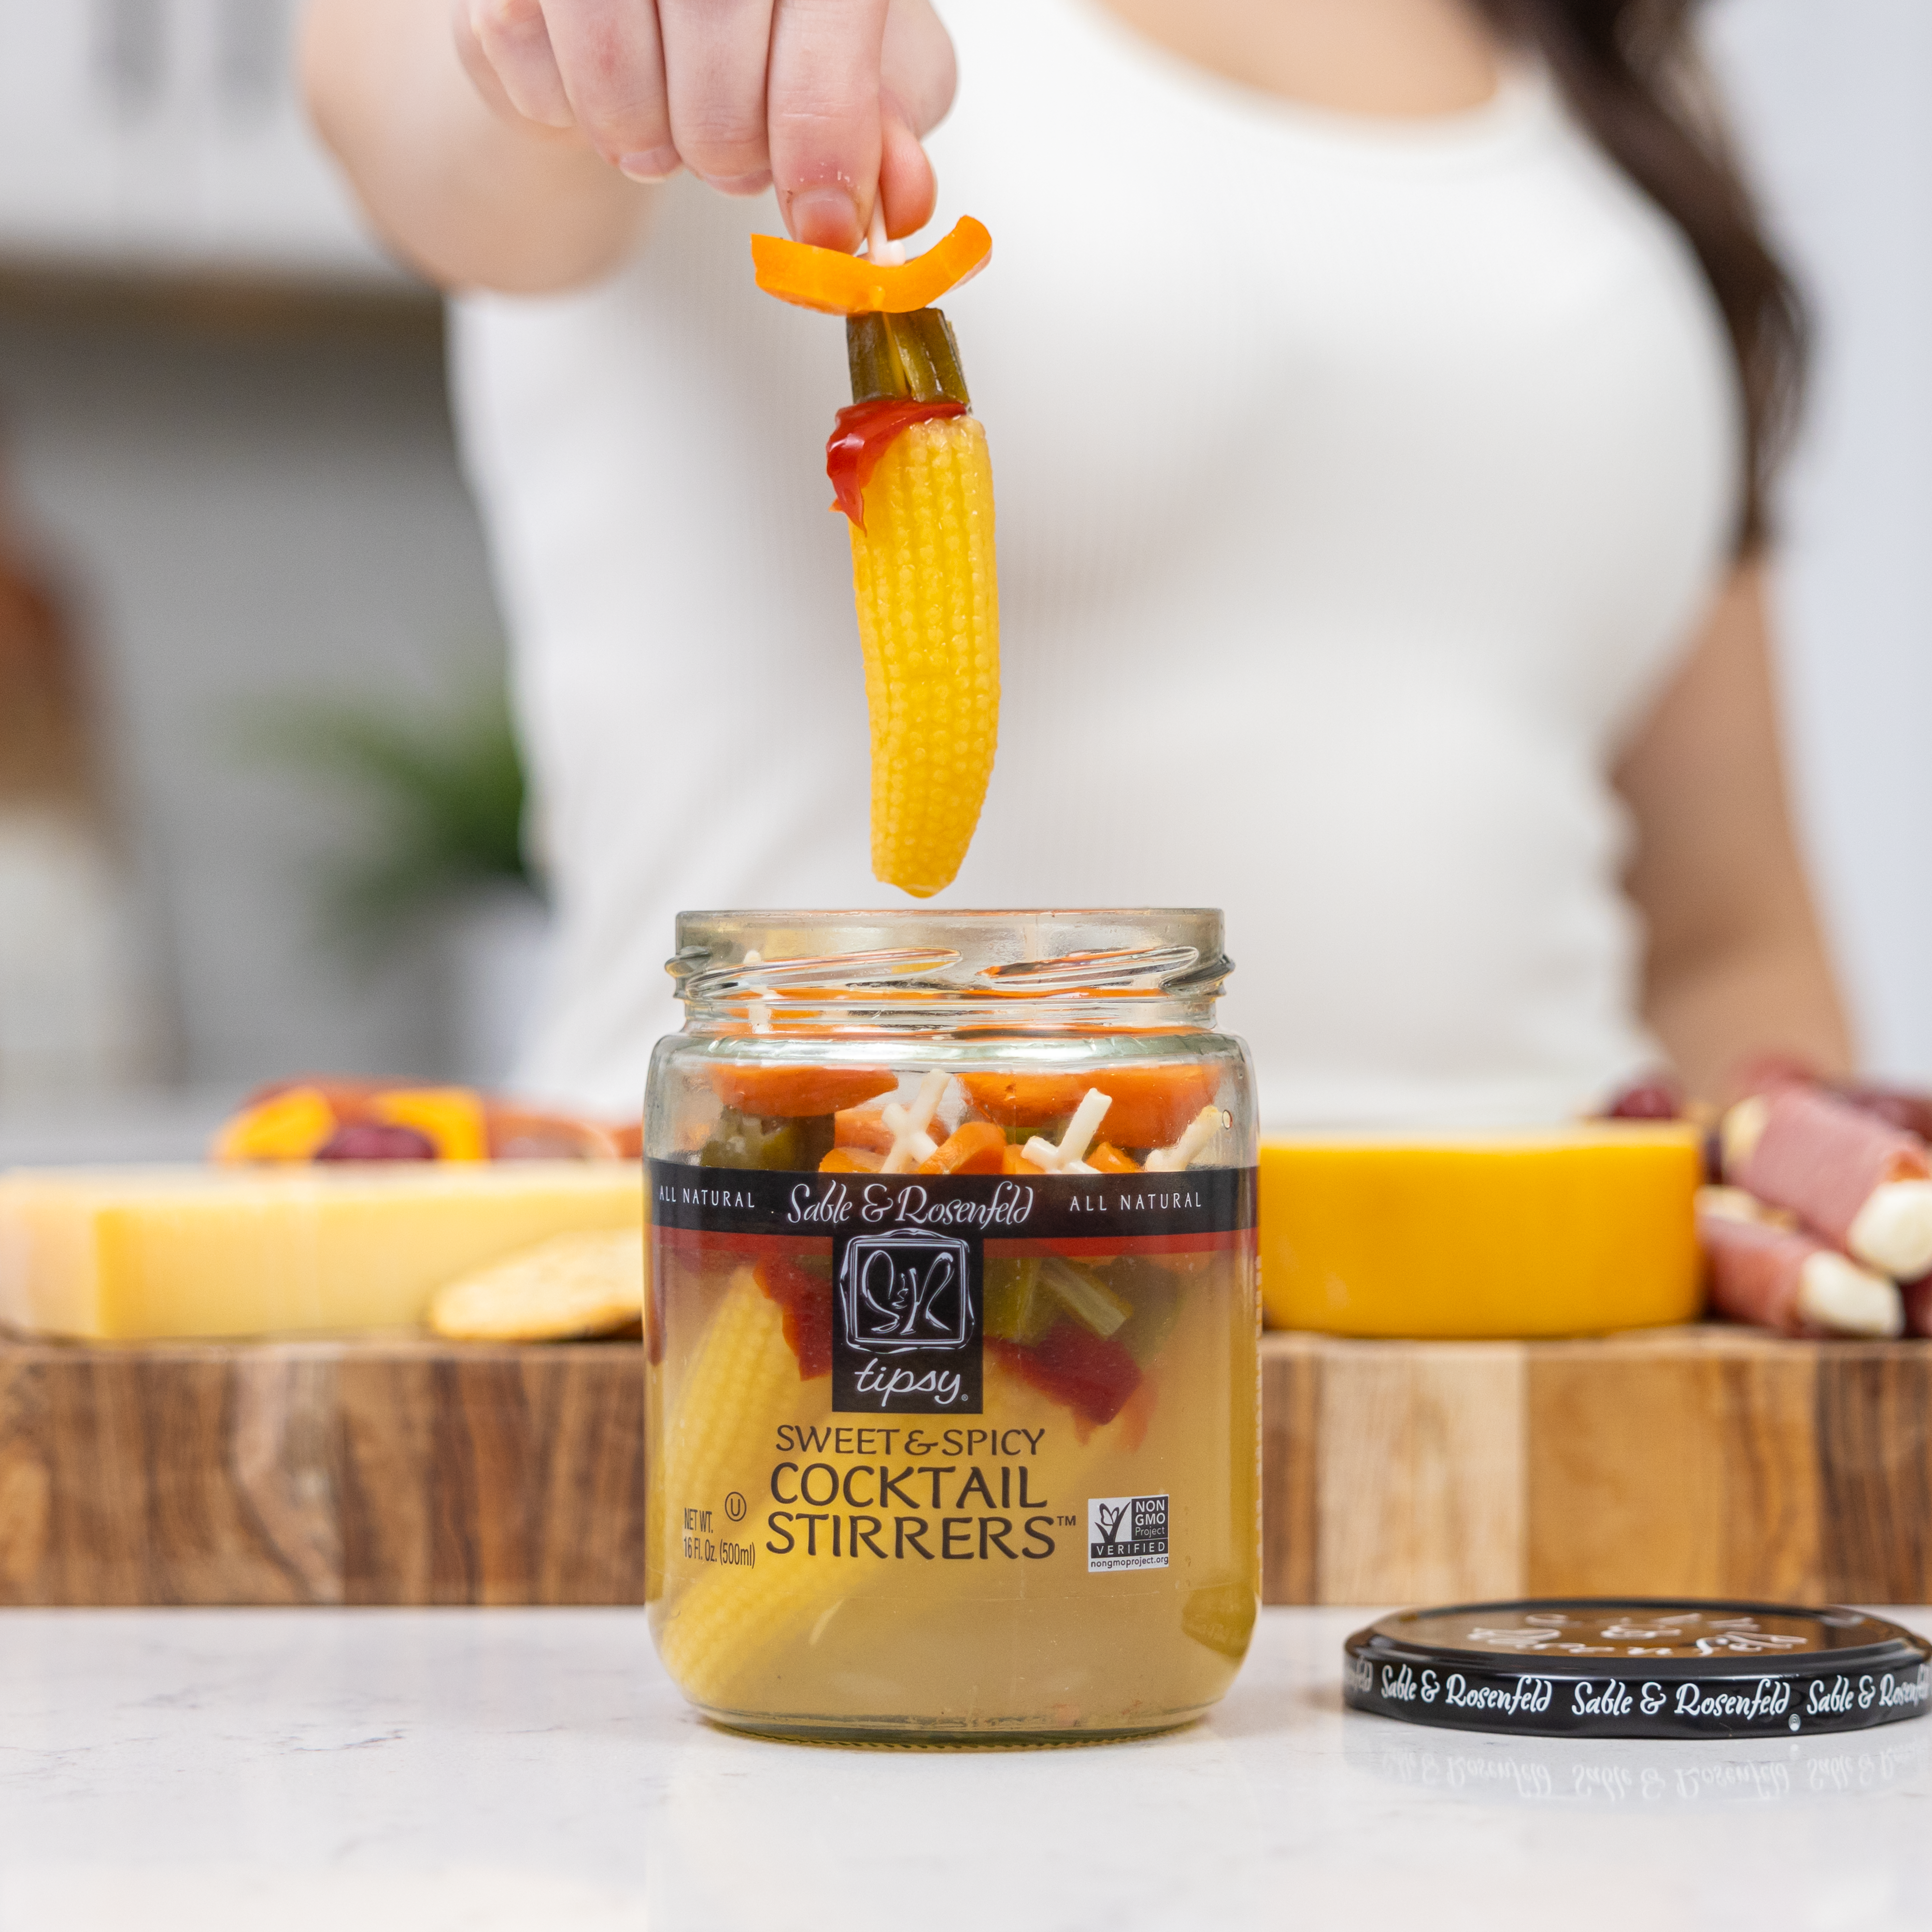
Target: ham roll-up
{"x": 1861, "y": 1183}
{"x": 1917, "y": 1298}
{"x": 1767, "y": 1272}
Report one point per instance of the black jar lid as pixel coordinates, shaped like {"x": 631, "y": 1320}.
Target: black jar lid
{"x": 1638, "y": 1667}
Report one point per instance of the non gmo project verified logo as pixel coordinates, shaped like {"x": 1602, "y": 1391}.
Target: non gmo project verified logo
{"x": 1127, "y": 1533}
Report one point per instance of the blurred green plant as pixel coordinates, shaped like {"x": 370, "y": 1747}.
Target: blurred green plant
{"x": 444, "y": 793}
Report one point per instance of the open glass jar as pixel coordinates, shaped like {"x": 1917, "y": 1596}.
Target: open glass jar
{"x": 952, "y": 1401}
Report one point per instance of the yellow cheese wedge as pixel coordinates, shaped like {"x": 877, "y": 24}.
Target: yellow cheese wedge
{"x": 132, "y": 1253}
{"x": 1570, "y": 1232}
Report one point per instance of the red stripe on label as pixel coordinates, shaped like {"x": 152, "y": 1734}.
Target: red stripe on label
{"x": 719, "y": 1241}
{"x": 1122, "y": 1244}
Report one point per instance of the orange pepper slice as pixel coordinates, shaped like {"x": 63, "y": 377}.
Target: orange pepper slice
{"x": 836, "y": 284}
{"x": 289, "y": 1125}
{"x": 978, "y": 1147}
{"x": 1152, "y": 1105}
{"x": 451, "y": 1118}
{"x": 796, "y": 1093}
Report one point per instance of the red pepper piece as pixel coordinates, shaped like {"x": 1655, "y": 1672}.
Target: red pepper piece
{"x": 1074, "y": 1366}
{"x": 864, "y": 431}
{"x": 806, "y": 1299}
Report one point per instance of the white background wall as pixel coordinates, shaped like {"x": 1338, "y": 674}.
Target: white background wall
{"x": 1833, "y": 99}
{"x": 248, "y": 519}
{"x": 166, "y": 132}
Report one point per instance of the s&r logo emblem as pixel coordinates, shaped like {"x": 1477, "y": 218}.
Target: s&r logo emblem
{"x": 906, "y": 1291}
{"x": 906, "y": 1338}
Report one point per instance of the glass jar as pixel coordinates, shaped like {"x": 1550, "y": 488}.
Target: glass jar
{"x": 952, "y": 1400}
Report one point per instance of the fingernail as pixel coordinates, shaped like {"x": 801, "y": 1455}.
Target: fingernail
{"x": 752, "y": 184}
{"x": 654, "y": 164}
{"x": 827, "y": 218}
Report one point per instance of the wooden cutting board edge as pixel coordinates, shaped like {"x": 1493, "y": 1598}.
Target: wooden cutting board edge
{"x": 399, "y": 1469}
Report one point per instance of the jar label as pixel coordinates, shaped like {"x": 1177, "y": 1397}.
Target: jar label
{"x": 902, "y": 1317}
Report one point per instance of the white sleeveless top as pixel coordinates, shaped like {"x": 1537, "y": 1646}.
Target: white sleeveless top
{"x": 1359, "y": 483}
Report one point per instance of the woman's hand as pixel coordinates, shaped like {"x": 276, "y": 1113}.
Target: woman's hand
{"x": 823, "y": 98}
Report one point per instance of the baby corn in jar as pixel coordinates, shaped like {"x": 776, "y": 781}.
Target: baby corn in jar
{"x": 952, "y": 1326}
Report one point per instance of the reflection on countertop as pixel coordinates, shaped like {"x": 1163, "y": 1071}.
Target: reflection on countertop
{"x": 1635, "y": 1772}
{"x": 498, "y": 1768}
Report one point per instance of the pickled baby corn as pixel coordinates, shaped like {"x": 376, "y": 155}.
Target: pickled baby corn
{"x": 912, "y": 473}
{"x": 923, "y": 577}
{"x": 742, "y": 1374}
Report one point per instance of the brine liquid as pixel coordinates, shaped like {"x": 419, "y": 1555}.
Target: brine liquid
{"x": 1077, "y": 1558}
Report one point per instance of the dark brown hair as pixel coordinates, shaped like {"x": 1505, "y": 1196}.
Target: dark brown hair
{"x": 1630, "y": 71}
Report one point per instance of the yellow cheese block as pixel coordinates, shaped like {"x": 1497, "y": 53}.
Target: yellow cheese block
{"x": 146, "y": 1253}
{"x": 1570, "y": 1232}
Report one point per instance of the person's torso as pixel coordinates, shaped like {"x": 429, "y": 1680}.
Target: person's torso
{"x": 1357, "y": 484}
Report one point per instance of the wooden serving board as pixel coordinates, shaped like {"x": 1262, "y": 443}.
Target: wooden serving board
{"x": 393, "y": 1471}
{"x": 1708, "y": 1461}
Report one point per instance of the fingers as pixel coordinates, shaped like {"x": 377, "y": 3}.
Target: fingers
{"x": 611, "y": 61}
{"x": 714, "y": 52}
{"x": 907, "y": 184}
{"x": 822, "y": 110}
{"x": 917, "y": 76}
{"x": 827, "y": 97}
{"x": 519, "y": 66}
{"x": 915, "y": 64}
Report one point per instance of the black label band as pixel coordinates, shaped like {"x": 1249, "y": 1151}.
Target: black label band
{"x": 909, "y": 1253}
{"x": 1047, "y": 1206}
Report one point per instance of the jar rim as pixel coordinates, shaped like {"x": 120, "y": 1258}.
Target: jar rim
{"x": 928, "y": 956}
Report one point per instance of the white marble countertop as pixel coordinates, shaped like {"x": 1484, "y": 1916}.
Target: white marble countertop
{"x": 454, "y": 1771}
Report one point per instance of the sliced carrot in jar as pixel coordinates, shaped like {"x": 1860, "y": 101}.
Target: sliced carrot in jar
{"x": 978, "y": 1147}
{"x": 796, "y": 1093}
{"x": 1107, "y": 1159}
{"x": 855, "y": 1127}
{"x": 851, "y": 1160}
{"x": 1152, "y": 1105}
{"x": 1014, "y": 1161}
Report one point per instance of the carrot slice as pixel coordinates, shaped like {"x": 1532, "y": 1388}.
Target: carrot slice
{"x": 836, "y": 284}
{"x": 867, "y": 1129}
{"x": 796, "y": 1093}
{"x": 1014, "y": 1161}
{"x": 851, "y": 1160}
{"x": 1107, "y": 1159}
{"x": 1152, "y": 1105}
{"x": 978, "y": 1147}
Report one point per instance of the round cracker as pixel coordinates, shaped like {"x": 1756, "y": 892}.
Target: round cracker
{"x": 568, "y": 1286}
